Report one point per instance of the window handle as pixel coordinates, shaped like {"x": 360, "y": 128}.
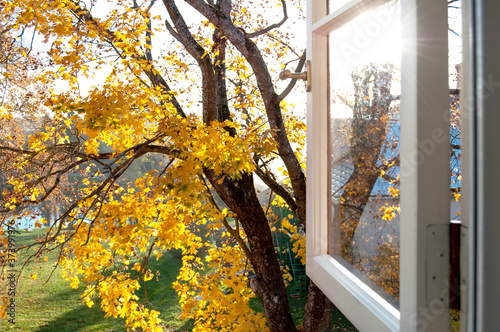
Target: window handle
{"x": 305, "y": 75}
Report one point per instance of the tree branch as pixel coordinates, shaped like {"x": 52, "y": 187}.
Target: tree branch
{"x": 197, "y": 52}
{"x": 293, "y": 81}
{"x": 277, "y": 189}
{"x": 272, "y": 26}
{"x": 234, "y": 232}
{"x": 239, "y": 38}
{"x": 84, "y": 16}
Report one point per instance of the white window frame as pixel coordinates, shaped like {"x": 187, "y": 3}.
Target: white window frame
{"x": 425, "y": 178}
{"x": 480, "y": 95}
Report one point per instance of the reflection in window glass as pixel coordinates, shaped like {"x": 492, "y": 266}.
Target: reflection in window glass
{"x": 364, "y": 78}
{"x": 455, "y": 63}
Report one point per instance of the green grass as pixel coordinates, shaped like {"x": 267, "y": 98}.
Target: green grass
{"x": 51, "y": 305}
{"x": 339, "y": 322}
{"x": 44, "y": 305}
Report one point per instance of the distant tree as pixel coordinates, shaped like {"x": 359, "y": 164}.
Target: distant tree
{"x": 20, "y": 115}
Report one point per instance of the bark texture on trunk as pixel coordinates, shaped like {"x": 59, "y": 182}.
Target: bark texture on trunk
{"x": 318, "y": 311}
{"x": 241, "y": 198}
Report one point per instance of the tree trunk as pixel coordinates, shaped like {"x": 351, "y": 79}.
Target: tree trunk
{"x": 240, "y": 195}
{"x": 269, "y": 286}
{"x": 318, "y": 311}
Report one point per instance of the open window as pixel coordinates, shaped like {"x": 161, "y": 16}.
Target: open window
{"x": 379, "y": 161}
{"x": 379, "y": 140}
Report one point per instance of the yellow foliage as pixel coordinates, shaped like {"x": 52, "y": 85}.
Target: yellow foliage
{"x": 394, "y": 192}
{"x": 111, "y": 105}
{"x": 208, "y": 289}
{"x": 389, "y": 212}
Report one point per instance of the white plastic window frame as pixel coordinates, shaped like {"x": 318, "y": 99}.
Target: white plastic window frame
{"x": 425, "y": 175}
{"x": 481, "y": 160}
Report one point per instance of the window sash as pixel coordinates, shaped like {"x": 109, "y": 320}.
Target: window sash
{"x": 424, "y": 187}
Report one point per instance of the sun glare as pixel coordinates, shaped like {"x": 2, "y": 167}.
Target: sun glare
{"x": 372, "y": 39}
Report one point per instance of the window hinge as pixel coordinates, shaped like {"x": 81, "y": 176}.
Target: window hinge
{"x": 443, "y": 265}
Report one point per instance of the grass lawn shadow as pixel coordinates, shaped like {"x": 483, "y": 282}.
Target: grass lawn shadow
{"x": 65, "y": 313}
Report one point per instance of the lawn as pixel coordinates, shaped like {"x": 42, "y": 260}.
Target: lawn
{"x": 51, "y": 305}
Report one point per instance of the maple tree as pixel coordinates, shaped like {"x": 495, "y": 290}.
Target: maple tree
{"x": 156, "y": 62}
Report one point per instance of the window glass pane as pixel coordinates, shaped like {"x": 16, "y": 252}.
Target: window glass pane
{"x": 364, "y": 78}
{"x": 455, "y": 62}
